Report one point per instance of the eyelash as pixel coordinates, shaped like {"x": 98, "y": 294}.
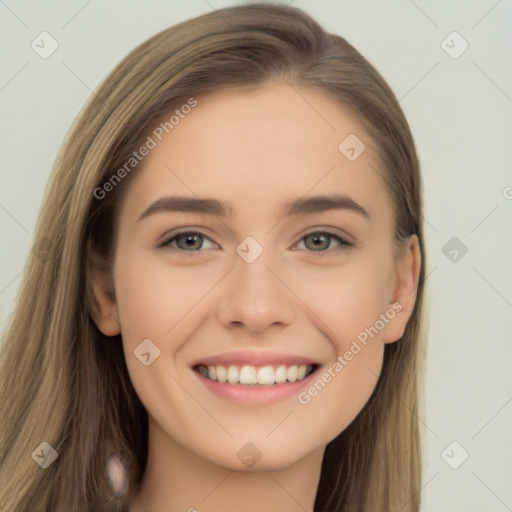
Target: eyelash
{"x": 343, "y": 244}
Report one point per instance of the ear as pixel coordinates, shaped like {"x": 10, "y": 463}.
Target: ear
{"x": 404, "y": 290}
{"x": 104, "y": 307}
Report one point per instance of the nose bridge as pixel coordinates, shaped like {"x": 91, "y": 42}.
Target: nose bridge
{"x": 254, "y": 296}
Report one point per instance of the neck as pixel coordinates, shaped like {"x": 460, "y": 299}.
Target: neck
{"x": 176, "y": 479}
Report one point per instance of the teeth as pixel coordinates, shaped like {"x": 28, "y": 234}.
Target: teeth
{"x": 233, "y": 374}
{"x": 265, "y": 376}
{"x": 280, "y": 374}
{"x": 222, "y": 374}
{"x": 291, "y": 373}
{"x": 250, "y": 375}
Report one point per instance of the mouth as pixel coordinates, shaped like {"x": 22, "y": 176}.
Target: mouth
{"x": 270, "y": 379}
{"x": 255, "y": 376}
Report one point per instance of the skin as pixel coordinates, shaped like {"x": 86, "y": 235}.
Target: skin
{"x": 255, "y": 149}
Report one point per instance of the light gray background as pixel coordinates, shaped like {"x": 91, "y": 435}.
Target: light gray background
{"x": 460, "y": 111}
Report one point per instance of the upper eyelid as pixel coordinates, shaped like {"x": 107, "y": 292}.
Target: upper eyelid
{"x": 173, "y": 234}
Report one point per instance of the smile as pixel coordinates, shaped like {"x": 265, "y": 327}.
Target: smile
{"x": 249, "y": 375}
{"x": 261, "y": 384}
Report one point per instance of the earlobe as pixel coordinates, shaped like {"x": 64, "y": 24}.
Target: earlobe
{"x": 404, "y": 291}
{"x": 103, "y": 307}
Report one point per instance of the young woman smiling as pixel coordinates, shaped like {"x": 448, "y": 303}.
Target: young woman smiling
{"x": 178, "y": 317}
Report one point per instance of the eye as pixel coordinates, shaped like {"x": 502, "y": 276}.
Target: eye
{"x": 189, "y": 241}
{"x": 320, "y": 241}
{"x": 194, "y": 241}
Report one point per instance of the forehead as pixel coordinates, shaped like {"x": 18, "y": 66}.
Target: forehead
{"x": 261, "y": 147}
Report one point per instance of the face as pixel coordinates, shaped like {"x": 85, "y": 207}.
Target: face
{"x": 264, "y": 314}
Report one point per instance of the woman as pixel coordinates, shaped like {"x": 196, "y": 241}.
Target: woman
{"x": 222, "y": 308}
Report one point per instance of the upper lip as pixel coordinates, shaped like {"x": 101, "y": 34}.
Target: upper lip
{"x": 255, "y": 358}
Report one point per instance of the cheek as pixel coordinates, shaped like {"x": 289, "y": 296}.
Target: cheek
{"x": 341, "y": 390}
{"x": 348, "y": 299}
{"x": 153, "y": 296}
{"x": 162, "y": 303}
{"x": 349, "y": 304}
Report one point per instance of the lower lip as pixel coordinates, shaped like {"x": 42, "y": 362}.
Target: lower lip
{"x": 256, "y": 394}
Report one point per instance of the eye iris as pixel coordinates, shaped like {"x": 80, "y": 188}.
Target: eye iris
{"x": 192, "y": 241}
{"x": 320, "y": 241}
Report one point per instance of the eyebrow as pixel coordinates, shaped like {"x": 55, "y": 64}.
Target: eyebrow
{"x": 301, "y": 206}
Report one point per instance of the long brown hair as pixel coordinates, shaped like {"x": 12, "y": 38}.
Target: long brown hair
{"x": 64, "y": 383}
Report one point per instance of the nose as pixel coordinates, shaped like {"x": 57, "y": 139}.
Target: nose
{"x": 255, "y": 297}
